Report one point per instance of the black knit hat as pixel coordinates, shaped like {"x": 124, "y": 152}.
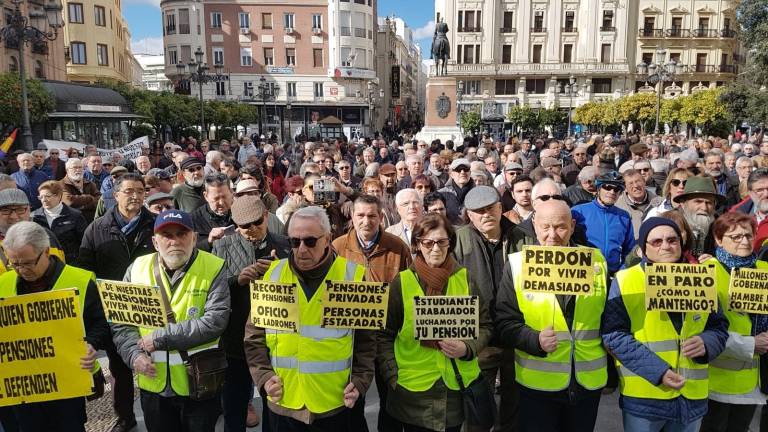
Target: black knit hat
{"x": 655, "y": 222}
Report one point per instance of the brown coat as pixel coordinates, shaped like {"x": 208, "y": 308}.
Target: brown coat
{"x": 389, "y": 257}
{"x": 84, "y": 200}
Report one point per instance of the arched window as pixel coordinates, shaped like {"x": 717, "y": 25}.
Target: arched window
{"x": 13, "y": 66}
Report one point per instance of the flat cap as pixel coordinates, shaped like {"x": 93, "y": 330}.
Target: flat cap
{"x": 511, "y": 166}
{"x": 118, "y": 170}
{"x": 480, "y": 197}
{"x": 246, "y": 185}
{"x": 13, "y": 196}
{"x": 550, "y": 162}
{"x": 387, "y": 169}
{"x": 247, "y": 209}
{"x": 460, "y": 162}
{"x": 639, "y": 148}
{"x": 158, "y": 196}
{"x": 190, "y": 162}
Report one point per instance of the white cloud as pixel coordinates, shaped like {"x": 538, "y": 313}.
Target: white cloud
{"x": 148, "y": 45}
{"x": 425, "y": 31}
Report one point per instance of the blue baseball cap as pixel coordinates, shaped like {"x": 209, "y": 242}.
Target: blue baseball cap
{"x": 173, "y": 217}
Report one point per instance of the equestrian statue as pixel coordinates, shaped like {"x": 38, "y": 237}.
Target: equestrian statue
{"x": 441, "y": 48}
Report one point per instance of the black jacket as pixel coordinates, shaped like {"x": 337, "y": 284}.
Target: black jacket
{"x": 238, "y": 253}
{"x": 69, "y": 228}
{"x": 108, "y": 252}
{"x": 204, "y": 220}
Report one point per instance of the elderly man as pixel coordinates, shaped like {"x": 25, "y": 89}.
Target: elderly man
{"x": 159, "y": 202}
{"x": 247, "y": 255}
{"x": 189, "y": 195}
{"x": 143, "y": 165}
{"x": 388, "y": 177}
{"x": 35, "y": 269}
{"x": 344, "y": 168}
{"x": 456, "y": 189}
{"x": 699, "y": 202}
{"x": 757, "y": 185}
{"x": 527, "y": 157}
{"x": 79, "y": 193}
{"x": 213, "y": 162}
{"x": 482, "y": 246}
{"x": 512, "y": 170}
{"x": 53, "y": 166}
{"x": 437, "y": 170}
{"x": 661, "y": 357}
{"x": 571, "y": 171}
{"x": 38, "y": 156}
{"x": 410, "y": 208}
{"x": 584, "y": 190}
{"x": 195, "y": 289}
{"x": 94, "y": 170}
{"x": 213, "y": 220}
{"x": 636, "y": 199}
{"x": 727, "y": 186}
{"x": 607, "y": 227}
{"x": 553, "y": 335}
{"x": 293, "y": 403}
{"x": 28, "y": 178}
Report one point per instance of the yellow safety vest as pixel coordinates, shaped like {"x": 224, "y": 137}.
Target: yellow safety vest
{"x": 729, "y": 375}
{"x": 187, "y": 302}
{"x": 654, "y": 329}
{"x": 70, "y": 277}
{"x": 418, "y": 368}
{"x": 580, "y": 350}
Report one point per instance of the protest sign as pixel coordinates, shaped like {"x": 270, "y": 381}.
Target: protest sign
{"x": 131, "y": 150}
{"x": 355, "y": 305}
{"x": 133, "y": 304}
{"x": 558, "y": 270}
{"x": 42, "y": 339}
{"x": 748, "y": 291}
{"x": 446, "y": 317}
{"x": 680, "y": 287}
{"x": 274, "y": 306}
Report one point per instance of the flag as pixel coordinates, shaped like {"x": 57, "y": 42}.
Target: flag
{"x": 6, "y": 145}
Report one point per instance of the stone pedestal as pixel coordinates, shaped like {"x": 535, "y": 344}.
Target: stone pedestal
{"x": 435, "y": 125}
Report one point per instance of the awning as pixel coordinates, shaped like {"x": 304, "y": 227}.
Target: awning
{"x": 89, "y": 99}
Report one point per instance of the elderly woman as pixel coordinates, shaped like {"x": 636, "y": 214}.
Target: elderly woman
{"x": 423, "y": 185}
{"x": 424, "y": 393}
{"x": 673, "y": 186}
{"x": 734, "y": 385}
{"x": 67, "y": 224}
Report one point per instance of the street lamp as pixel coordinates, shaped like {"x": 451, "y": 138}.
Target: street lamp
{"x": 198, "y": 73}
{"x": 659, "y": 73}
{"x": 287, "y": 115}
{"x": 267, "y": 92}
{"x": 459, "y": 97}
{"x": 17, "y": 33}
{"x": 571, "y": 90}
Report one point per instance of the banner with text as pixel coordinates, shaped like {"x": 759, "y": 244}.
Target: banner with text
{"x": 274, "y": 306}
{"x": 748, "y": 291}
{"x": 131, "y": 150}
{"x": 133, "y": 304}
{"x": 558, "y": 270}
{"x": 355, "y": 305}
{"x": 42, "y": 339}
{"x": 680, "y": 287}
{"x": 446, "y": 317}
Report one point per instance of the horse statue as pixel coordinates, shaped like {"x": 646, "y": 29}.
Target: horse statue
{"x": 441, "y": 48}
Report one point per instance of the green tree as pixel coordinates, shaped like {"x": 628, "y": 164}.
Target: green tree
{"x": 471, "y": 122}
{"x": 638, "y": 107}
{"x": 552, "y": 117}
{"x": 753, "y": 18}
{"x": 524, "y": 117}
{"x": 703, "y": 109}
{"x": 41, "y": 102}
{"x": 590, "y": 114}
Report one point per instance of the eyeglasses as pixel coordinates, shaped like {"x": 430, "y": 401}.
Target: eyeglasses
{"x": 515, "y": 172}
{"x": 549, "y": 197}
{"x": 644, "y": 170}
{"x": 134, "y": 192}
{"x": 6, "y": 211}
{"x": 656, "y": 243}
{"x": 195, "y": 168}
{"x": 678, "y": 182}
{"x": 421, "y": 187}
{"x": 611, "y": 188}
{"x": 344, "y": 167}
{"x": 738, "y": 238}
{"x": 309, "y": 242}
{"x": 430, "y": 243}
{"x": 26, "y": 265}
{"x": 255, "y": 223}
{"x": 462, "y": 168}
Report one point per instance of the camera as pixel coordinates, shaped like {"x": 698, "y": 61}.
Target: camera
{"x": 325, "y": 192}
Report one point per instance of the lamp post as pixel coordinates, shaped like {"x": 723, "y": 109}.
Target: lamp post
{"x": 18, "y": 31}
{"x": 287, "y": 116}
{"x": 658, "y": 73}
{"x": 459, "y": 97}
{"x": 571, "y": 90}
{"x": 267, "y": 92}
{"x": 198, "y": 73}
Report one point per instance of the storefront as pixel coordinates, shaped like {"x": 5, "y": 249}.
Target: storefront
{"x": 312, "y": 122}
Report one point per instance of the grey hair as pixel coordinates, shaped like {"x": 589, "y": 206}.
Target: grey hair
{"x": 26, "y": 233}
{"x": 372, "y": 170}
{"x": 212, "y": 155}
{"x": 72, "y": 161}
{"x": 745, "y": 159}
{"x": 414, "y": 158}
{"x": 403, "y": 192}
{"x": 587, "y": 173}
{"x": 715, "y": 153}
{"x": 369, "y": 151}
{"x": 313, "y": 212}
{"x": 546, "y": 181}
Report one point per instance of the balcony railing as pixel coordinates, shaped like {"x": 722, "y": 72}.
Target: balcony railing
{"x": 359, "y": 32}
{"x": 705, "y": 33}
{"x": 727, "y": 33}
{"x": 704, "y": 68}
{"x": 538, "y": 29}
{"x": 183, "y": 28}
{"x": 533, "y": 69}
{"x": 507, "y": 30}
{"x": 570, "y": 29}
{"x": 170, "y": 29}
{"x": 651, "y": 33}
{"x": 676, "y": 32}
{"x": 469, "y": 29}
{"x": 729, "y": 69}
{"x": 346, "y": 31}
{"x": 607, "y": 28}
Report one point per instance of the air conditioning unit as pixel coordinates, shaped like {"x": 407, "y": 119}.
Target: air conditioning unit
{"x": 289, "y": 30}
{"x": 245, "y": 30}
{"x": 317, "y": 30}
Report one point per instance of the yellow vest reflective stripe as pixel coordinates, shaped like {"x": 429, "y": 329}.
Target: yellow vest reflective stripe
{"x": 729, "y": 375}
{"x": 580, "y": 350}
{"x": 70, "y": 277}
{"x": 188, "y": 302}
{"x": 418, "y": 367}
{"x": 315, "y": 363}
{"x": 654, "y": 329}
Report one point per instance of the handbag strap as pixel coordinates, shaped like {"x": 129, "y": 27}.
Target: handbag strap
{"x": 459, "y": 379}
{"x": 170, "y": 316}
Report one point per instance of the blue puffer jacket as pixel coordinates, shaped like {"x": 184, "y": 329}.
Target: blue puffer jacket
{"x": 608, "y": 229}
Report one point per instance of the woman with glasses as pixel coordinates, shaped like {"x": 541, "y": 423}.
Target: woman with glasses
{"x": 674, "y": 186}
{"x": 424, "y": 392}
{"x": 734, "y": 389}
{"x": 66, "y": 223}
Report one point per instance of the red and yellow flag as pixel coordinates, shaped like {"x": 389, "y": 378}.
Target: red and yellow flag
{"x": 6, "y": 145}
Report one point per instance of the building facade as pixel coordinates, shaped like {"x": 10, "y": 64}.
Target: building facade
{"x": 43, "y": 60}
{"x": 97, "y": 42}
{"x": 153, "y": 72}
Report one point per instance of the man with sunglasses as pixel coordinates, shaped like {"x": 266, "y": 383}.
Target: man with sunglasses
{"x": 189, "y": 195}
{"x": 341, "y": 360}
{"x": 344, "y": 169}
{"x": 247, "y": 255}
{"x": 606, "y": 226}
{"x": 456, "y": 189}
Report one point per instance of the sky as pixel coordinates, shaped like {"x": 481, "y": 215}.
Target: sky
{"x": 143, "y": 18}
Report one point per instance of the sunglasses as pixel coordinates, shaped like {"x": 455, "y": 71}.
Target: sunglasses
{"x": 195, "y": 168}
{"x": 309, "y": 242}
{"x": 461, "y": 169}
{"x": 255, "y": 223}
{"x": 343, "y": 167}
{"x": 672, "y": 241}
{"x": 216, "y": 178}
{"x": 549, "y": 197}
{"x": 611, "y": 188}
{"x": 678, "y": 182}
{"x": 429, "y": 243}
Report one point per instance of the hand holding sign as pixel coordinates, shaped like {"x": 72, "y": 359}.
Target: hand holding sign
{"x": 673, "y": 380}
{"x": 548, "y": 340}
{"x": 693, "y": 347}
